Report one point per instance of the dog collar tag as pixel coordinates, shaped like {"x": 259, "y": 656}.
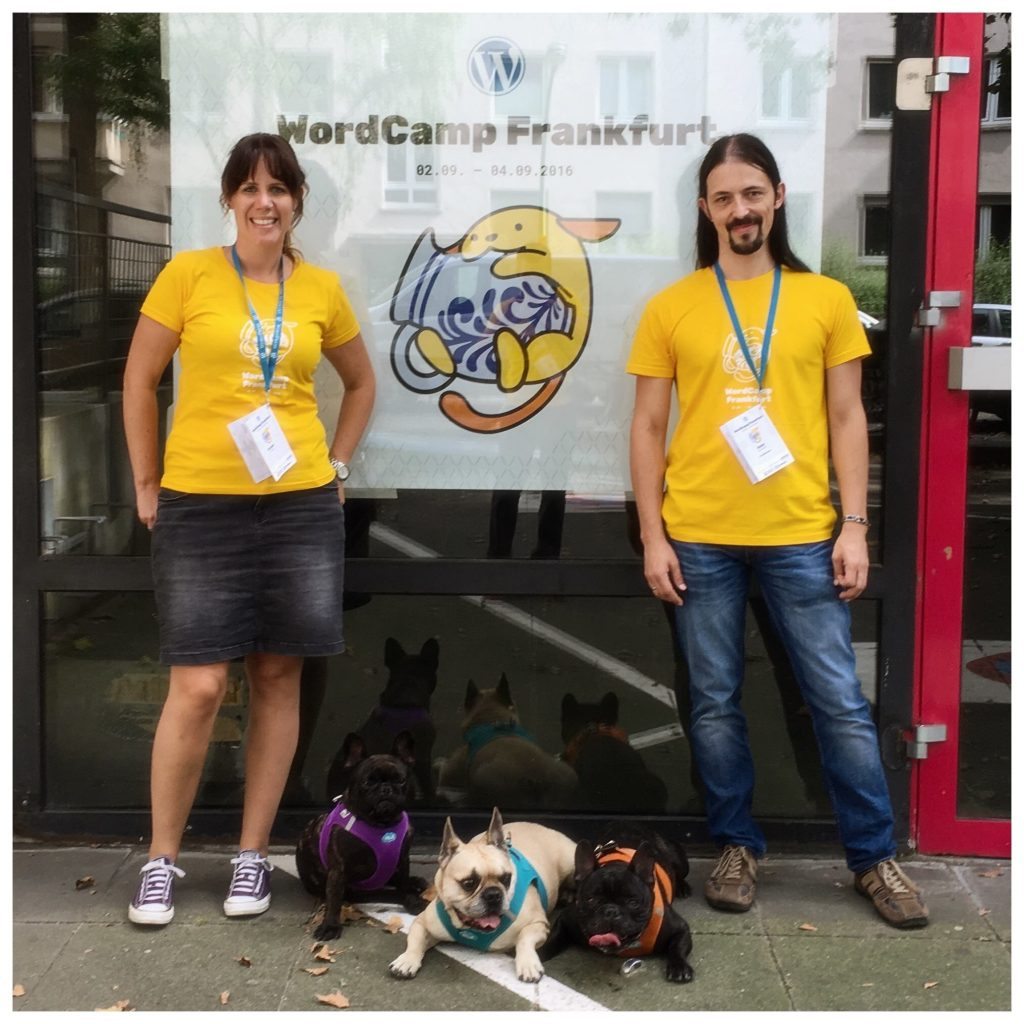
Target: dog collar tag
{"x": 388, "y": 837}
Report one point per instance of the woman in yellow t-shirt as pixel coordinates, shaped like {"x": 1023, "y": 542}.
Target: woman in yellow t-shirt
{"x": 248, "y": 530}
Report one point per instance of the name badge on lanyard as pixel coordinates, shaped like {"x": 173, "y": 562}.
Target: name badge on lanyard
{"x": 257, "y": 435}
{"x": 751, "y": 435}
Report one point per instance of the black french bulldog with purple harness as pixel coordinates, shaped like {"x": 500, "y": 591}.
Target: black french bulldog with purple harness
{"x": 362, "y": 844}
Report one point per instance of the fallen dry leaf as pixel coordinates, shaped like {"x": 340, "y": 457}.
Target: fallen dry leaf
{"x": 930, "y": 984}
{"x": 224, "y": 997}
{"x": 993, "y": 873}
{"x": 350, "y": 913}
{"x": 868, "y": 984}
{"x": 85, "y": 883}
{"x": 119, "y": 1007}
{"x": 805, "y": 927}
{"x": 335, "y": 999}
{"x": 19, "y": 990}
{"x": 244, "y": 961}
{"x": 394, "y": 924}
{"x": 316, "y": 971}
{"x": 322, "y": 952}
{"x": 984, "y": 912}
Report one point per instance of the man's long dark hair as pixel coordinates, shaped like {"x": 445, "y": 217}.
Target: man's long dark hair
{"x": 747, "y": 149}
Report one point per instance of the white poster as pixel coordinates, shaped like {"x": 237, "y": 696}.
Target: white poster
{"x": 500, "y": 195}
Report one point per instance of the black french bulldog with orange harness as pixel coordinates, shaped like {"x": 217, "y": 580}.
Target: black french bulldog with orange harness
{"x": 625, "y": 885}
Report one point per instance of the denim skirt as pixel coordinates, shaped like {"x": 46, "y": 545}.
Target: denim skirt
{"x": 241, "y": 574}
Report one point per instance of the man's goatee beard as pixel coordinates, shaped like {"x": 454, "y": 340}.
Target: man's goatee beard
{"x": 746, "y": 248}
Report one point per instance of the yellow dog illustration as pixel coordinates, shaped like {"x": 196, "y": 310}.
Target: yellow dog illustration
{"x": 528, "y": 324}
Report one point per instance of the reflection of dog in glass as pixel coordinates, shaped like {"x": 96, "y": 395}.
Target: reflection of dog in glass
{"x": 500, "y": 762}
{"x": 613, "y": 776}
{"x": 404, "y": 707}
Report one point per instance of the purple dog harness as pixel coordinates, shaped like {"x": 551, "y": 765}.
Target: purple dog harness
{"x": 386, "y": 842}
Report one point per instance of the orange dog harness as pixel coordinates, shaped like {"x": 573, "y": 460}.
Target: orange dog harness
{"x": 663, "y": 893}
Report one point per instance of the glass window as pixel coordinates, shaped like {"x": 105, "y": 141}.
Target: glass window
{"x": 625, "y": 87}
{"x": 995, "y": 95}
{"x": 787, "y": 90}
{"x": 875, "y": 240}
{"x": 411, "y": 175}
{"x": 880, "y": 91}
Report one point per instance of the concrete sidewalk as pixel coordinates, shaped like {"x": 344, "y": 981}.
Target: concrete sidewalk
{"x": 811, "y": 943}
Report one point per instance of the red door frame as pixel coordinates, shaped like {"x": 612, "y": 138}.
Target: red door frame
{"x": 953, "y": 190}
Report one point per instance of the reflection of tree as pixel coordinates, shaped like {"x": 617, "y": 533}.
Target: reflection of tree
{"x": 111, "y": 69}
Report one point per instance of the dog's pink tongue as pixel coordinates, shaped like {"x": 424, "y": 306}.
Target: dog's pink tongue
{"x": 608, "y": 939}
{"x": 488, "y": 923}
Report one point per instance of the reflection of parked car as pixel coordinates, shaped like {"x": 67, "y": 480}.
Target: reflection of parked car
{"x": 83, "y": 335}
{"x": 990, "y": 325}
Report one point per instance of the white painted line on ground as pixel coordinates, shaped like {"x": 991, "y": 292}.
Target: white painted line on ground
{"x": 547, "y": 994}
{"x": 535, "y": 627}
{"x": 653, "y": 737}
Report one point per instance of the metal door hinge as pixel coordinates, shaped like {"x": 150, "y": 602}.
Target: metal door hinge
{"x": 929, "y": 314}
{"x": 920, "y": 736}
{"x": 917, "y": 78}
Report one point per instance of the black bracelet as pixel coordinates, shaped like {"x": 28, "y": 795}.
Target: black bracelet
{"x": 860, "y": 520}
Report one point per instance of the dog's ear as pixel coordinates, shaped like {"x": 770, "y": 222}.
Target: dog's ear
{"x": 586, "y": 861}
{"x": 450, "y": 843}
{"x": 496, "y": 831}
{"x": 353, "y": 750}
{"x": 430, "y": 652}
{"x": 504, "y": 692}
{"x": 404, "y": 747}
{"x": 393, "y": 652}
{"x": 643, "y": 863}
{"x": 471, "y": 694}
{"x": 609, "y": 709}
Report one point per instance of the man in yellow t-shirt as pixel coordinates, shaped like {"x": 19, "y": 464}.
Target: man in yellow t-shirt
{"x": 764, "y": 357}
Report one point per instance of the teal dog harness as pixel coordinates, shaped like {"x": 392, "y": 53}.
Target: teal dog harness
{"x": 526, "y": 875}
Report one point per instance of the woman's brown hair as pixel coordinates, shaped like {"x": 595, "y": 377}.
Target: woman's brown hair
{"x": 281, "y": 163}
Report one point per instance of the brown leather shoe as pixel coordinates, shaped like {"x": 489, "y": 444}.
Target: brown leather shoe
{"x": 895, "y": 896}
{"x": 733, "y": 881}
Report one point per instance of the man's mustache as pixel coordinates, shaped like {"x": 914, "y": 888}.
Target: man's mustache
{"x": 743, "y": 222}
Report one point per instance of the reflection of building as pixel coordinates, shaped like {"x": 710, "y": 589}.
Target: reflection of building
{"x": 856, "y": 203}
{"x": 101, "y": 227}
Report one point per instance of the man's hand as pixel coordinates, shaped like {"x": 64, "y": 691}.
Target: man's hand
{"x": 662, "y": 571}
{"x": 145, "y": 502}
{"x": 850, "y": 561}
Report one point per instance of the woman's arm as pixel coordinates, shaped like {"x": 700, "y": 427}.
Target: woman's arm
{"x": 352, "y": 363}
{"x": 152, "y": 348}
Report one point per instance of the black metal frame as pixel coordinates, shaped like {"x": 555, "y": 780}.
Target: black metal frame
{"x": 34, "y": 574}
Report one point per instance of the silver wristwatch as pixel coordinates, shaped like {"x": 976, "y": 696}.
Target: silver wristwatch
{"x": 341, "y": 471}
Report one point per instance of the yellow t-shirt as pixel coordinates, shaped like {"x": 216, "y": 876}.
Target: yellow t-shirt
{"x": 198, "y": 295}
{"x": 686, "y": 334}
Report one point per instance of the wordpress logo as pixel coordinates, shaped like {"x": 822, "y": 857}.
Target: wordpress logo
{"x": 496, "y": 66}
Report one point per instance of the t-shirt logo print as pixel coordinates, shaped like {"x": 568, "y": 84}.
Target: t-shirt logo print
{"x": 249, "y": 347}
{"x": 733, "y": 361}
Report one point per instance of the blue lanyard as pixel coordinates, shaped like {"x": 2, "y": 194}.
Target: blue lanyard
{"x": 768, "y": 327}
{"x": 267, "y": 363}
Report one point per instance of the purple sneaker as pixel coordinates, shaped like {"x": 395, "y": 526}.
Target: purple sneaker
{"x": 250, "y": 885}
{"x": 154, "y": 900}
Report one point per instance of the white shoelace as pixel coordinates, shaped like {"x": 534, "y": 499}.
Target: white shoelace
{"x": 247, "y": 874}
{"x": 157, "y": 882}
{"x": 894, "y": 879}
{"x": 730, "y": 867}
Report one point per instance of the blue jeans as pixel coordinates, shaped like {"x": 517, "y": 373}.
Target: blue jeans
{"x": 814, "y": 627}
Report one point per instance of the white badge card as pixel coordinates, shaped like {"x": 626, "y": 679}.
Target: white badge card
{"x": 262, "y": 444}
{"x": 757, "y": 444}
